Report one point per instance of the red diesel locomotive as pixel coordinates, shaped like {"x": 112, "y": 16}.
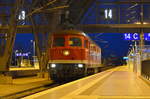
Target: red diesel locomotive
{"x": 73, "y": 54}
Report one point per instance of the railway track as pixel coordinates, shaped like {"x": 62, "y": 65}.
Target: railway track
{"x": 24, "y": 93}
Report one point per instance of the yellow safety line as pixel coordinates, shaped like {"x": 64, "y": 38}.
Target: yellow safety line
{"x": 109, "y": 97}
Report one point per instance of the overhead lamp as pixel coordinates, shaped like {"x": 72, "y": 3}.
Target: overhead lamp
{"x": 141, "y": 23}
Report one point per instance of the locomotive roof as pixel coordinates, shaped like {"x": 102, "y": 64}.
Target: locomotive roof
{"x": 70, "y": 32}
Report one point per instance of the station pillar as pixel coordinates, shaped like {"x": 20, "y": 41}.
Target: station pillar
{"x": 141, "y": 40}
{"x": 96, "y": 70}
{"x": 5, "y": 77}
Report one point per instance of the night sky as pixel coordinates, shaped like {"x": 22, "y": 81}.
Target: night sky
{"x": 111, "y": 43}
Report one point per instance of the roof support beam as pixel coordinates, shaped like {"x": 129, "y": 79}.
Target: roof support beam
{"x": 88, "y": 28}
{"x": 6, "y": 4}
{"x": 5, "y": 57}
{"x": 114, "y": 28}
{"x": 124, "y": 2}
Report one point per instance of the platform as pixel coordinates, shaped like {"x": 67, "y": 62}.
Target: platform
{"x": 22, "y": 84}
{"x": 23, "y": 72}
{"x": 116, "y": 83}
{"x": 22, "y": 69}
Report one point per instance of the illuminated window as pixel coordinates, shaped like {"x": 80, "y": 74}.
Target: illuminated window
{"x": 74, "y": 41}
{"x": 22, "y": 15}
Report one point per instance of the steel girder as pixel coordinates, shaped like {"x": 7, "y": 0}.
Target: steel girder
{"x": 52, "y": 21}
{"x": 5, "y": 57}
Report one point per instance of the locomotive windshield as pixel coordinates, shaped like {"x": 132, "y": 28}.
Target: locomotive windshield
{"x": 74, "y": 41}
{"x": 60, "y": 41}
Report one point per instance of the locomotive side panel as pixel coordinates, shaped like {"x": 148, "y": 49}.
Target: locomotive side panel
{"x": 94, "y": 56}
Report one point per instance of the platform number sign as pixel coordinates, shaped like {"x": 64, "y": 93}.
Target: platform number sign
{"x": 108, "y": 13}
{"x": 22, "y": 15}
{"x": 131, "y": 36}
{"x": 136, "y": 36}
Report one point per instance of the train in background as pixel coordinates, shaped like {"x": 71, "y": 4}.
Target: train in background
{"x": 72, "y": 54}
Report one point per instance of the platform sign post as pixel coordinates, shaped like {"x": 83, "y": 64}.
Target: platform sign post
{"x": 142, "y": 38}
{"x": 133, "y": 61}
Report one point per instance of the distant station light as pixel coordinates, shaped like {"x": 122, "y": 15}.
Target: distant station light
{"x": 125, "y": 58}
{"x": 22, "y": 15}
{"x": 108, "y": 13}
{"x": 22, "y": 54}
{"x": 141, "y": 23}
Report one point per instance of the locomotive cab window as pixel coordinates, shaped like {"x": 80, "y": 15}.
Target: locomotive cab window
{"x": 74, "y": 41}
{"x": 60, "y": 41}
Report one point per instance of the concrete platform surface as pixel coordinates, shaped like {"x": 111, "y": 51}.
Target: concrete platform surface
{"x": 22, "y": 84}
{"x": 116, "y": 83}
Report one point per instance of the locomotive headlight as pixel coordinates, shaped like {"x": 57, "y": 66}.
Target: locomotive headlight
{"x": 66, "y": 52}
{"x": 80, "y": 65}
{"x": 53, "y": 65}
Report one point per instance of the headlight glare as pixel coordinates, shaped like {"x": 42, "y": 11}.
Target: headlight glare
{"x": 66, "y": 52}
{"x": 80, "y": 65}
{"x": 53, "y": 65}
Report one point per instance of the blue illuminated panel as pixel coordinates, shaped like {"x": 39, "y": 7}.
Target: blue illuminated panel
{"x": 22, "y": 54}
{"x": 125, "y": 58}
{"x": 132, "y": 36}
{"x": 147, "y": 36}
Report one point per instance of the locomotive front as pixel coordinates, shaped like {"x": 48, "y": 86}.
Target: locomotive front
{"x": 68, "y": 55}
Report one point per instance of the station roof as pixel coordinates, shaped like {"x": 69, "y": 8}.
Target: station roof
{"x": 78, "y": 9}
